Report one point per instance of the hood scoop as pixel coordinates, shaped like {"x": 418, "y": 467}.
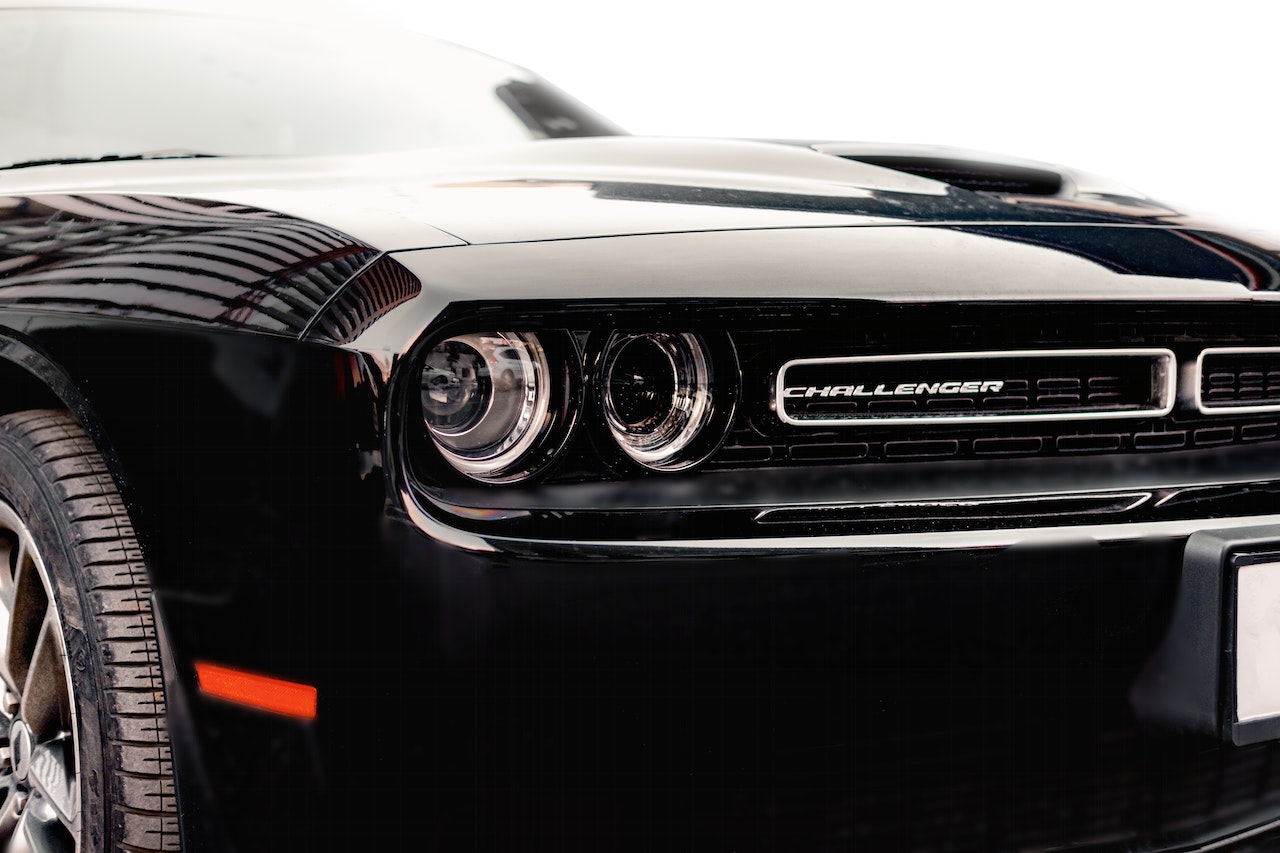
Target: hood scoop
{"x": 974, "y": 175}
{"x": 962, "y": 168}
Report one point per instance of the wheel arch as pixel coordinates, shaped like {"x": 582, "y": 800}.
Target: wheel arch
{"x": 31, "y": 379}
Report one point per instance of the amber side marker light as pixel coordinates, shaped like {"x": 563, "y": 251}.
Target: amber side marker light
{"x": 257, "y": 691}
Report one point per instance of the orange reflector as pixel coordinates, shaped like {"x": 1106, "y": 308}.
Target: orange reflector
{"x": 258, "y": 691}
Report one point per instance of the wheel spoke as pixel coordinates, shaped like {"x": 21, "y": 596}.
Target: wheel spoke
{"x": 39, "y": 830}
{"x": 52, "y": 775}
{"x": 9, "y": 814}
{"x": 12, "y": 553}
{"x": 5, "y": 623}
{"x": 26, "y": 620}
{"x": 46, "y": 707}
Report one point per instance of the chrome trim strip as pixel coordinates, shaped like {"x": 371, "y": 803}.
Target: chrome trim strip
{"x": 1134, "y": 500}
{"x": 934, "y": 541}
{"x": 1206, "y": 409}
{"x": 1167, "y": 366}
{"x": 1235, "y": 838}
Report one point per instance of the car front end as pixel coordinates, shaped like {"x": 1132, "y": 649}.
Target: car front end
{"x": 597, "y": 493}
{"x": 920, "y": 576}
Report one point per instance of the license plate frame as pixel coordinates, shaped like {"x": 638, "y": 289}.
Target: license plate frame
{"x": 1191, "y": 682}
{"x": 1251, "y": 654}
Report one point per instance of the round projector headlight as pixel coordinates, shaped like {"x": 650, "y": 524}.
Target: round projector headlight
{"x": 486, "y": 401}
{"x": 657, "y": 396}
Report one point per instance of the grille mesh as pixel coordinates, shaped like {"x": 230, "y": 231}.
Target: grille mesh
{"x": 1237, "y": 379}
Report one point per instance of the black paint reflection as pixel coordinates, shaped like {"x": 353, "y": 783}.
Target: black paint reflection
{"x": 1165, "y": 252}
{"x": 155, "y": 257}
{"x": 381, "y": 286}
{"x": 954, "y": 205}
{"x": 1154, "y": 245}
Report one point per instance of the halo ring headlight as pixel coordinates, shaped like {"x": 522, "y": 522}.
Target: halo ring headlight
{"x": 487, "y": 402}
{"x": 657, "y": 395}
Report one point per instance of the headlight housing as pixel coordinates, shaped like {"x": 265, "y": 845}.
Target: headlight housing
{"x": 588, "y": 396}
{"x": 489, "y": 402}
{"x": 656, "y": 391}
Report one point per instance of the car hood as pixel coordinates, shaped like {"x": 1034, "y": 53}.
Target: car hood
{"x": 297, "y": 246}
{"x": 577, "y": 188}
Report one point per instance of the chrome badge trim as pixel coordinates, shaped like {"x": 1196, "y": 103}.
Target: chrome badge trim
{"x": 1166, "y": 374}
{"x": 1205, "y": 408}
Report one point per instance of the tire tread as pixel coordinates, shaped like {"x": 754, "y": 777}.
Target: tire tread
{"x": 117, "y": 592}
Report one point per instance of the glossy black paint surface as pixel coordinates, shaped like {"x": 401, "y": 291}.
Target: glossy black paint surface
{"x": 799, "y": 702}
{"x": 169, "y": 260}
{"x": 194, "y": 260}
{"x": 913, "y": 263}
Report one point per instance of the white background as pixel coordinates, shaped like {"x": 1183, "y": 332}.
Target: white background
{"x": 1173, "y": 98}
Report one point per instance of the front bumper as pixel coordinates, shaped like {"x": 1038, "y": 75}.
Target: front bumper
{"x": 927, "y": 697}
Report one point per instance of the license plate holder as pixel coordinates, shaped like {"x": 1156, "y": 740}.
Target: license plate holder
{"x": 1252, "y": 654}
{"x": 1217, "y": 670}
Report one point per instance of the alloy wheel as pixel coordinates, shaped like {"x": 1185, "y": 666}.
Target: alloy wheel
{"x": 39, "y": 773}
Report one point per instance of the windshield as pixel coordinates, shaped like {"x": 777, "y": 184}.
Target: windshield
{"x": 84, "y": 84}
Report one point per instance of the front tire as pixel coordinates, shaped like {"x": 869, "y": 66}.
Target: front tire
{"x": 85, "y": 763}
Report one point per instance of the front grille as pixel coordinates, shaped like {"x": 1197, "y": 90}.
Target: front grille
{"x": 1239, "y": 378}
{"x": 1005, "y": 386}
{"x": 1236, "y": 339}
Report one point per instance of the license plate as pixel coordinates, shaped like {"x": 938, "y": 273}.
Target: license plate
{"x": 1257, "y": 646}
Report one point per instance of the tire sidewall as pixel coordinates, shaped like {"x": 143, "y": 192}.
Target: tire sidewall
{"x": 32, "y": 495}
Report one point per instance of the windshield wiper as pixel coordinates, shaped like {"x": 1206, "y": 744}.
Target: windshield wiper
{"x": 173, "y": 154}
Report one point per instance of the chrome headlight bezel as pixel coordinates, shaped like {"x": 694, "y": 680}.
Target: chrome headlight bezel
{"x": 522, "y": 405}
{"x": 657, "y": 420}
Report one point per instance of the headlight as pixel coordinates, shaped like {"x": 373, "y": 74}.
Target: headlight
{"x": 562, "y": 403}
{"x": 486, "y": 401}
{"x": 656, "y": 390}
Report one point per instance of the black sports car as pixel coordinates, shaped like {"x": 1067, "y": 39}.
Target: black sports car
{"x": 378, "y": 468}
